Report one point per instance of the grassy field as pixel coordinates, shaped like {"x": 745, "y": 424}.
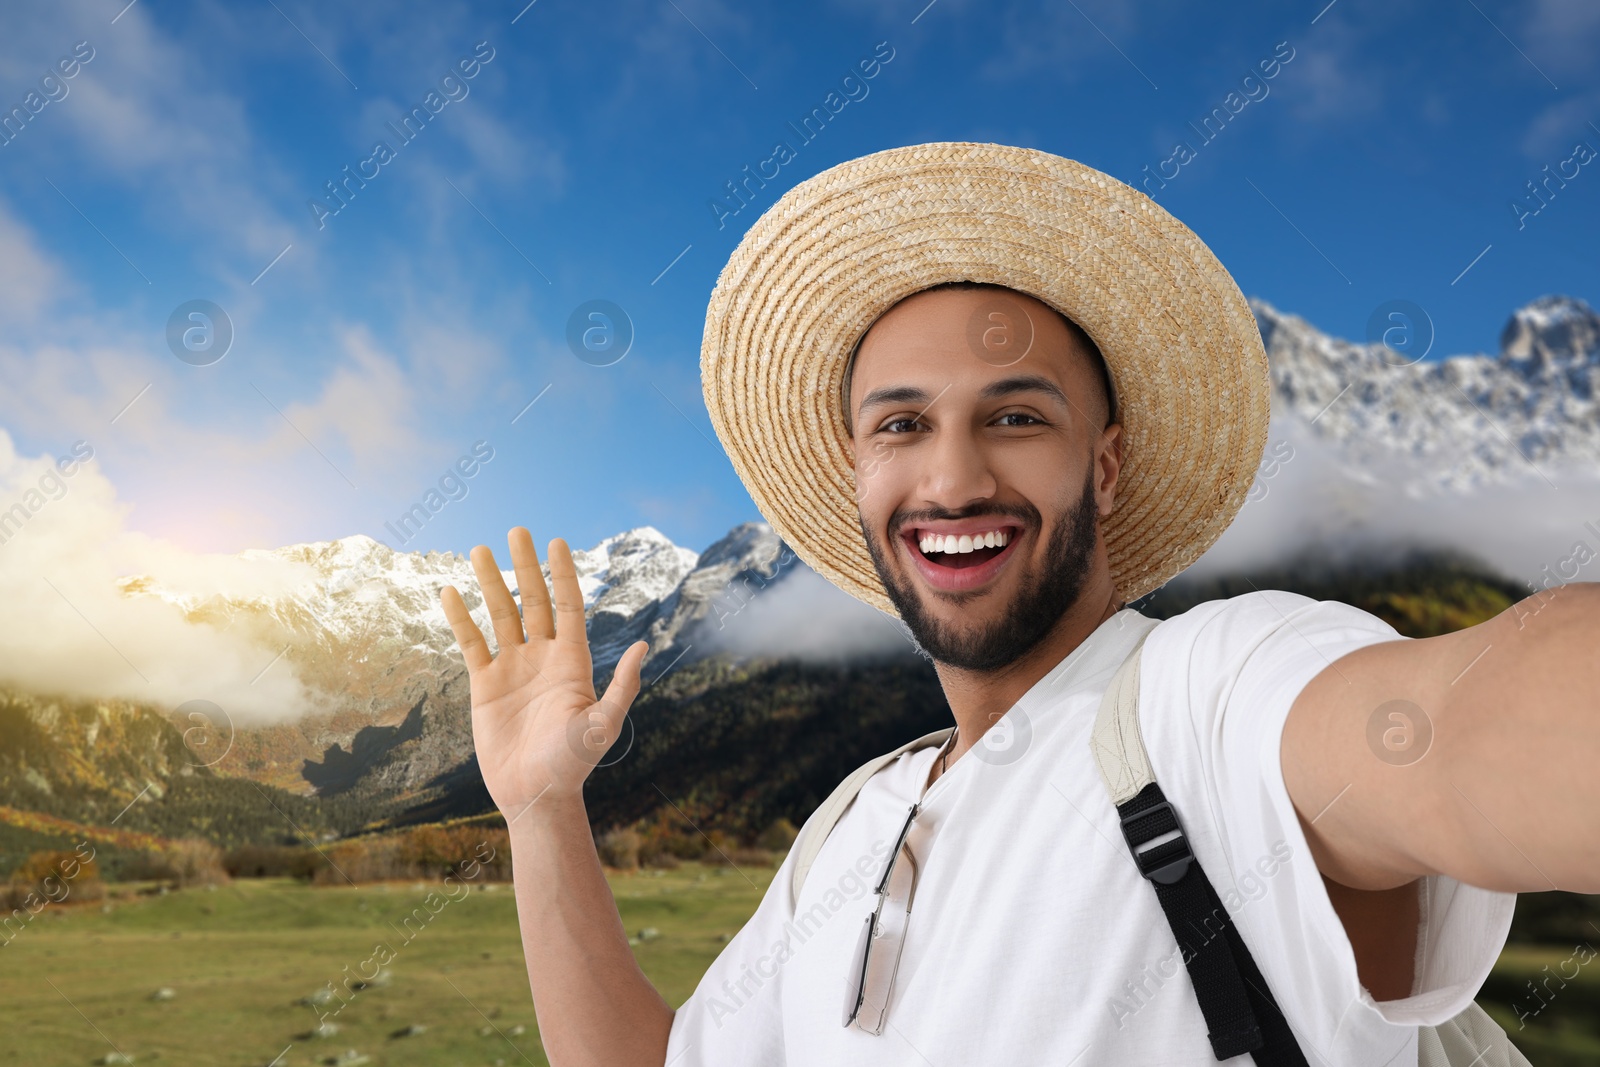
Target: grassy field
{"x": 79, "y": 982}
{"x": 1559, "y": 1026}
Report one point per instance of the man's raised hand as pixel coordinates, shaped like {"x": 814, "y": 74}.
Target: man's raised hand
{"x": 536, "y": 724}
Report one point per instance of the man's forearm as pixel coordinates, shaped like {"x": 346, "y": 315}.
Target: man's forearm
{"x": 594, "y": 1005}
{"x": 1518, "y": 736}
{"x": 1470, "y": 754}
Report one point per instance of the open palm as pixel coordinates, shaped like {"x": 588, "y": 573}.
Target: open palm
{"x": 536, "y": 724}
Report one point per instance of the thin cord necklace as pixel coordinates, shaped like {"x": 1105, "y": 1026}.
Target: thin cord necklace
{"x": 944, "y": 759}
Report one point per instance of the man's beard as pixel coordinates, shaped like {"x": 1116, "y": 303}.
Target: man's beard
{"x": 1040, "y": 601}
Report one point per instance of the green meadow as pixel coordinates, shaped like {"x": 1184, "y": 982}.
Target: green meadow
{"x": 81, "y": 983}
{"x": 229, "y": 975}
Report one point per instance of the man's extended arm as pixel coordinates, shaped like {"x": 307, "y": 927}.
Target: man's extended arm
{"x": 593, "y": 1003}
{"x": 1505, "y": 794}
{"x": 539, "y": 731}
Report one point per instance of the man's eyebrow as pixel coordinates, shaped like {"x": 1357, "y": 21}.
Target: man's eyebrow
{"x": 1024, "y": 383}
{"x": 911, "y": 394}
{"x": 894, "y": 394}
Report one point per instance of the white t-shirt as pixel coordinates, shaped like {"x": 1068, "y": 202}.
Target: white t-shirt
{"x": 1033, "y": 939}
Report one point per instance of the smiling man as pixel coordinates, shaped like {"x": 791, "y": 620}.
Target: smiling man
{"x": 1027, "y": 439}
{"x": 999, "y": 395}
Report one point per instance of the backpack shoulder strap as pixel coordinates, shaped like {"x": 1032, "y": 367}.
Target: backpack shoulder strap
{"x": 820, "y": 825}
{"x": 1241, "y": 1015}
{"x": 1116, "y": 740}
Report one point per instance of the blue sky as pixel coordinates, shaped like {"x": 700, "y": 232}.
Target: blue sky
{"x": 373, "y": 347}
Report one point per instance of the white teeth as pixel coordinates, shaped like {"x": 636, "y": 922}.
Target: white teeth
{"x": 935, "y": 544}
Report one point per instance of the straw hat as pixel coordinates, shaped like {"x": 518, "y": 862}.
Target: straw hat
{"x": 838, "y": 250}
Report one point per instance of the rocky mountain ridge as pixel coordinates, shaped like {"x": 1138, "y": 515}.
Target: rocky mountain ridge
{"x": 1458, "y": 423}
{"x": 364, "y": 631}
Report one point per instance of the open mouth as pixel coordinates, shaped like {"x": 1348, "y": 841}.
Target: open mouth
{"x": 961, "y": 560}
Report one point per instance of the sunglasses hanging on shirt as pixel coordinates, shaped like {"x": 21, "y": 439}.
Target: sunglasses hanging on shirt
{"x": 877, "y": 955}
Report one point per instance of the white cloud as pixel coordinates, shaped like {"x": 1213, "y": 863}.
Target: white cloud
{"x": 369, "y": 400}
{"x": 1331, "y": 78}
{"x": 145, "y": 113}
{"x": 1562, "y": 36}
{"x": 1323, "y": 502}
{"x": 1072, "y": 43}
{"x": 30, "y": 278}
{"x": 804, "y": 617}
{"x": 1556, "y": 129}
{"x": 70, "y": 630}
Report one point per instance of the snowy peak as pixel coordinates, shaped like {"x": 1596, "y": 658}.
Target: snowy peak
{"x": 750, "y": 557}
{"x": 1460, "y": 423}
{"x": 1554, "y": 336}
{"x": 629, "y": 570}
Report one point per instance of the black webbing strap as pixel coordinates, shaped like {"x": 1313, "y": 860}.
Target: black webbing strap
{"x": 1241, "y": 1015}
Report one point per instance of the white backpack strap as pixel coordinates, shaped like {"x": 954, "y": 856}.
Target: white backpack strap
{"x": 1117, "y": 744}
{"x": 820, "y": 825}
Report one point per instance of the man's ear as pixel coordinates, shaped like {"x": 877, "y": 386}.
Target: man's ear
{"x": 1108, "y": 466}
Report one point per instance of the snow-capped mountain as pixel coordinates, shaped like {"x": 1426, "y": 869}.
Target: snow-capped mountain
{"x": 357, "y": 592}
{"x": 362, "y": 628}
{"x": 1459, "y": 423}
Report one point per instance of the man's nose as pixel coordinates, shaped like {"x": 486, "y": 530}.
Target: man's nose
{"x": 959, "y": 471}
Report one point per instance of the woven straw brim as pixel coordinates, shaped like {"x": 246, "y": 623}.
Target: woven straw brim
{"x": 839, "y": 249}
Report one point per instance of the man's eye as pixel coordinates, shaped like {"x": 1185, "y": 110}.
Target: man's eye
{"x": 1019, "y": 415}
{"x": 889, "y": 426}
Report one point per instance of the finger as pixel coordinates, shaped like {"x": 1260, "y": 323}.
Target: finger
{"x": 536, "y": 618}
{"x": 568, "y": 597}
{"x": 474, "y": 649}
{"x": 497, "y": 598}
{"x": 624, "y": 686}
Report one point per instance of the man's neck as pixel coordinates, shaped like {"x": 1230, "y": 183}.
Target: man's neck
{"x": 979, "y": 700}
